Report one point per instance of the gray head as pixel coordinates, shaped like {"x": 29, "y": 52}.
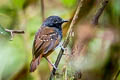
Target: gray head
{"x": 54, "y": 21}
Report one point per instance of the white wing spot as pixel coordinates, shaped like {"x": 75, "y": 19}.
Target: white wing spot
{"x": 54, "y": 34}
{"x": 44, "y": 40}
{"x": 44, "y": 35}
{"x": 41, "y": 40}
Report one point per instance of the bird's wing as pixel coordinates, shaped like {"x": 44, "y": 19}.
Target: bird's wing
{"x": 46, "y": 39}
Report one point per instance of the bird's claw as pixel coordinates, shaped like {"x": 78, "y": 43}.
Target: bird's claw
{"x": 54, "y": 66}
{"x": 63, "y": 48}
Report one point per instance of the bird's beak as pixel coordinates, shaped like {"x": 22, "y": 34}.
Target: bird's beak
{"x": 65, "y": 21}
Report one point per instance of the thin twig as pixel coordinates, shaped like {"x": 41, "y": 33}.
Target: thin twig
{"x": 42, "y": 10}
{"x": 99, "y": 12}
{"x": 14, "y": 32}
{"x": 115, "y": 78}
{"x": 65, "y": 43}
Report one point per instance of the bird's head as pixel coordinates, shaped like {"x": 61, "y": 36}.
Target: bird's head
{"x": 54, "y": 21}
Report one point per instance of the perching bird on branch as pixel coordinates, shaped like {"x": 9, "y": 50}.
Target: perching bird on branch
{"x": 46, "y": 40}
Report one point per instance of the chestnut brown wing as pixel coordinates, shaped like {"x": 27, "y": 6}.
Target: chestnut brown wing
{"x": 46, "y": 39}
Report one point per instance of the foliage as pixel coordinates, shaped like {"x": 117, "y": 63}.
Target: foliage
{"x": 3, "y": 33}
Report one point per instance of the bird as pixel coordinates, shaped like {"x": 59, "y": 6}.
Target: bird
{"x": 47, "y": 38}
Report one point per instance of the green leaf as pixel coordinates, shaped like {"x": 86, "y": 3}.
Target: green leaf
{"x": 3, "y": 33}
{"x": 69, "y": 3}
{"x": 116, "y": 7}
{"x": 18, "y": 3}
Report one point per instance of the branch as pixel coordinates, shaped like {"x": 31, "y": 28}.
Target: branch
{"x": 115, "y": 78}
{"x": 84, "y": 34}
{"x": 14, "y": 32}
{"x": 42, "y": 10}
{"x": 99, "y": 12}
{"x": 65, "y": 43}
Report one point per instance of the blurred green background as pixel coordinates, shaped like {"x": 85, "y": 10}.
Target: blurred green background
{"x": 97, "y": 64}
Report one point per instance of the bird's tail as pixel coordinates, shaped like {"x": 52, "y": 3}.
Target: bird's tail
{"x": 34, "y": 64}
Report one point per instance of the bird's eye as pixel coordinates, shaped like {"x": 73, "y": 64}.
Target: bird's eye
{"x": 55, "y": 21}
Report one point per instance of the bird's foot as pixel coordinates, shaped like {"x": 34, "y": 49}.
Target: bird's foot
{"x": 63, "y": 48}
{"x": 54, "y": 66}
